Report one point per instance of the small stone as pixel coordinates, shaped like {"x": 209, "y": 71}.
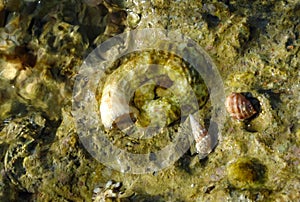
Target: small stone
{"x": 133, "y": 19}
{"x": 108, "y": 184}
{"x": 9, "y": 69}
{"x": 246, "y": 173}
{"x": 96, "y": 190}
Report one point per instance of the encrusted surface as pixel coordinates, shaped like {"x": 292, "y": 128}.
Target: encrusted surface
{"x": 255, "y": 46}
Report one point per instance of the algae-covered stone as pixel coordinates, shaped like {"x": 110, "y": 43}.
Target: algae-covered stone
{"x": 255, "y": 46}
{"x": 22, "y": 163}
{"x": 246, "y": 173}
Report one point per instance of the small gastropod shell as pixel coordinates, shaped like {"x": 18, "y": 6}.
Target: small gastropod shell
{"x": 202, "y": 138}
{"x": 239, "y": 107}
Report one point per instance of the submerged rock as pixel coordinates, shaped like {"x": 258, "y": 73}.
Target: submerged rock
{"x": 255, "y": 46}
{"x": 247, "y": 173}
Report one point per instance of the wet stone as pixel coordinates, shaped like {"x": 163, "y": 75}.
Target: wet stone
{"x": 246, "y": 173}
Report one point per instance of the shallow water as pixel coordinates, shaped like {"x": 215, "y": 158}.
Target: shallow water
{"x": 43, "y": 46}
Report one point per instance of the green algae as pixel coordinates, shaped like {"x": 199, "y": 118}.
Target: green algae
{"x": 256, "y": 48}
{"x": 246, "y": 173}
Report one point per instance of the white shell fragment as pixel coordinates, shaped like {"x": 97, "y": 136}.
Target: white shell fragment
{"x": 110, "y": 192}
{"x": 114, "y": 104}
{"x": 202, "y": 138}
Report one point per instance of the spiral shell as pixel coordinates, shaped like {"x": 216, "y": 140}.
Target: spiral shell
{"x": 202, "y": 138}
{"x": 148, "y": 81}
{"x": 239, "y": 107}
{"x": 140, "y": 93}
{"x": 114, "y": 105}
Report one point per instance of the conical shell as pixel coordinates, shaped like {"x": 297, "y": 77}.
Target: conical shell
{"x": 202, "y": 138}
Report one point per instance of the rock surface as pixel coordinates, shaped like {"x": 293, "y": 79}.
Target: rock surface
{"x": 255, "y": 46}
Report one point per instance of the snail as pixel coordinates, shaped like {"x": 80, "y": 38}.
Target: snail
{"x": 239, "y": 107}
{"x": 202, "y": 138}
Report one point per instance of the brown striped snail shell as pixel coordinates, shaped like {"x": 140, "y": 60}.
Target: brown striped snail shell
{"x": 202, "y": 138}
{"x": 239, "y": 107}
